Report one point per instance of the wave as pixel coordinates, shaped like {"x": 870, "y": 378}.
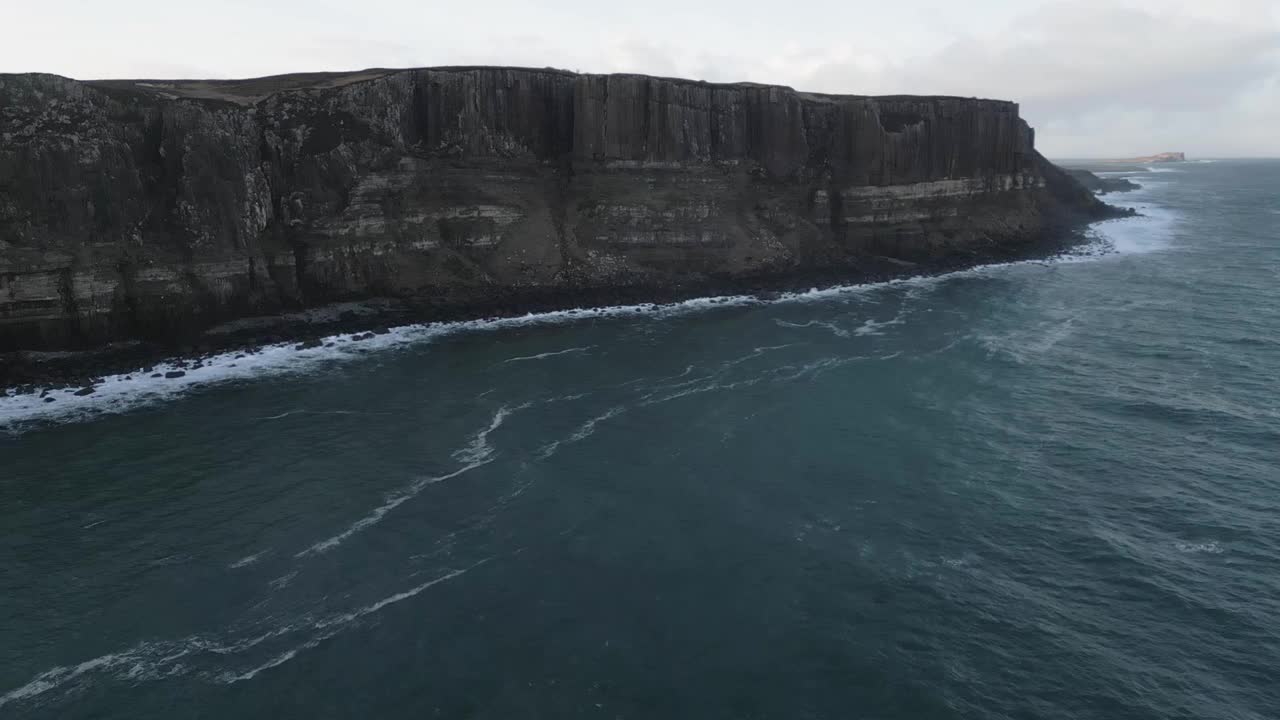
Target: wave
{"x": 130, "y": 391}
{"x": 1151, "y": 231}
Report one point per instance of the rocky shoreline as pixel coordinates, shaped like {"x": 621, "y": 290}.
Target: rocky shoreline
{"x": 77, "y": 372}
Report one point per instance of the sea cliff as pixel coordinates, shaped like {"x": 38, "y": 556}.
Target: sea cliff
{"x": 153, "y": 210}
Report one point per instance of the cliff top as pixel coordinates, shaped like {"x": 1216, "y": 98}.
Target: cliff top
{"x": 248, "y": 91}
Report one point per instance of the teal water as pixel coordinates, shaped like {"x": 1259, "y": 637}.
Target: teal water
{"x": 1040, "y": 490}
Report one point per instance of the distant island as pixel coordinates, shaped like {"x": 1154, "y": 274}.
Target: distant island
{"x": 1163, "y": 157}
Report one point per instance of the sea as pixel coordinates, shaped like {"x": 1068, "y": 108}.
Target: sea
{"x": 1045, "y": 489}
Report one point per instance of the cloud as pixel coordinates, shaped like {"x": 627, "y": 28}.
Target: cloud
{"x": 1096, "y": 77}
{"x": 1101, "y": 78}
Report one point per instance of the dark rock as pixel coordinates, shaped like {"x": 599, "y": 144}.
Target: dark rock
{"x": 174, "y": 374}
{"x": 306, "y": 344}
{"x": 156, "y": 375}
{"x": 382, "y": 331}
{"x": 1100, "y": 184}
{"x": 85, "y": 391}
{"x": 50, "y": 399}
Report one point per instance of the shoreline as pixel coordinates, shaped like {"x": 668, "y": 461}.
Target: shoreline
{"x": 42, "y": 372}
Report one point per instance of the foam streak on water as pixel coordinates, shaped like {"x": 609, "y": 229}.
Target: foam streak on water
{"x": 475, "y": 454}
{"x": 157, "y": 660}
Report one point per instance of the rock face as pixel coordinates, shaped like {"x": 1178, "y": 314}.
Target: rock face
{"x": 153, "y": 209}
{"x": 1101, "y": 185}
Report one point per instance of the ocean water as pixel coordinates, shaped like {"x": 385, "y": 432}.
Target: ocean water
{"x": 1037, "y": 490}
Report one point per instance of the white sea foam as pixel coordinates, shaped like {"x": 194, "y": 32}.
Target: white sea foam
{"x": 474, "y": 454}
{"x": 283, "y": 581}
{"x": 330, "y": 626}
{"x": 1037, "y": 341}
{"x": 393, "y": 501}
{"x": 589, "y": 427}
{"x": 156, "y": 660}
{"x": 585, "y": 430}
{"x": 541, "y": 356}
{"x": 479, "y": 448}
{"x": 868, "y": 327}
{"x": 248, "y": 560}
{"x": 755, "y": 353}
{"x": 873, "y": 327}
{"x": 1211, "y": 548}
{"x": 58, "y": 676}
{"x": 1150, "y": 232}
{"x": 144, "y": 661}
{"x": 291, "y": 413}
{"x": 830, "y": 327}
{"x": 125, "y": 392}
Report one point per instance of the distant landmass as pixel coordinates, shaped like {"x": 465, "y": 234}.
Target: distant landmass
{"x": 1163, "y": 157}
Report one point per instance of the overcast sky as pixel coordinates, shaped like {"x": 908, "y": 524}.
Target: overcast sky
{"x": 1095, "y": 77}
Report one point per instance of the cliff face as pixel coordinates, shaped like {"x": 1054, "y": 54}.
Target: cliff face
{"x": 151, "y": 209}
{"x": 1101, "y": 185}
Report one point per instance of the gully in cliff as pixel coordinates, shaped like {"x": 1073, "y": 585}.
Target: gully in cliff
{"x": 153, "y": 213}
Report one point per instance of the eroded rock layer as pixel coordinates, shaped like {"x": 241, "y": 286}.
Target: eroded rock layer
{"x": 152, "y": 209}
